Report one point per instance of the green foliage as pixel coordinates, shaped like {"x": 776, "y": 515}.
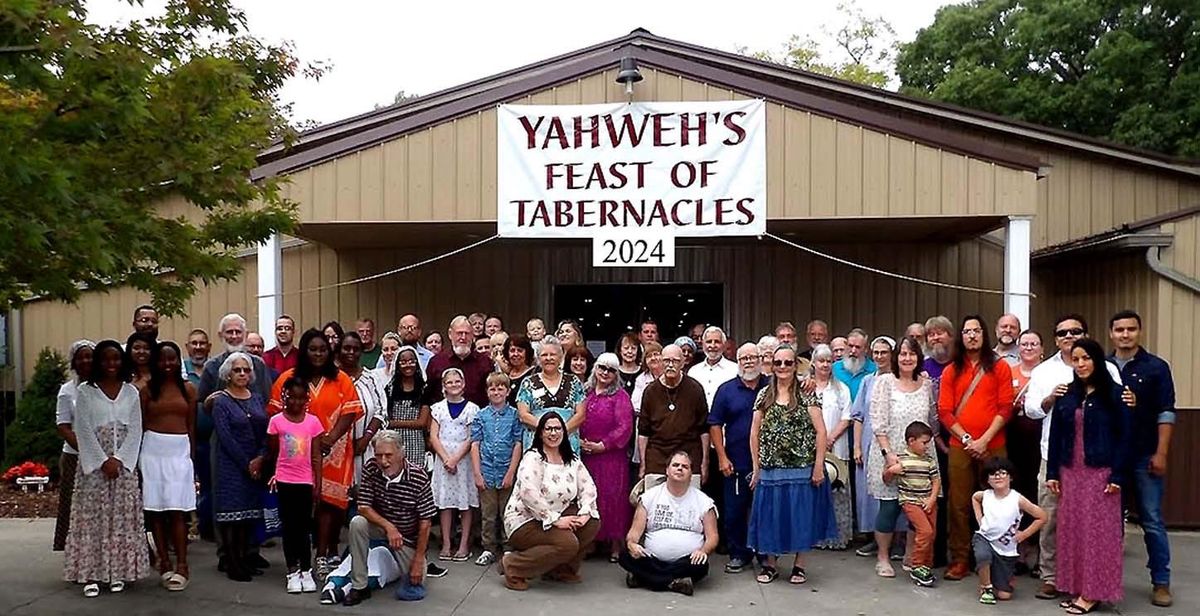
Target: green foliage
{"x": 33, "y": 434}
{"x": 100, "y": 125}
{"x": 1117, "y": 69}
{"x": 863, "y": 49}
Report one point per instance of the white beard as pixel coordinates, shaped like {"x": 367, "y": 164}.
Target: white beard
{"x": 461, "y": 351}
{"x": 749, "y": 375}
{"x": 235, "y": 349}
{"x": 853, "y": 365}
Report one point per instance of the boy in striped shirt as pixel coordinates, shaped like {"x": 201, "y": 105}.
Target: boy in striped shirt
{"x": 918, "y": 484}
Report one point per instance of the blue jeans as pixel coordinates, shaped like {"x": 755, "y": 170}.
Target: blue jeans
{"x": 738, "y": 498}
{"x": 1149, "y": 504}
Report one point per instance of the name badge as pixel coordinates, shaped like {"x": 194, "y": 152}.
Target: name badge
{"x": 538, "y": 393}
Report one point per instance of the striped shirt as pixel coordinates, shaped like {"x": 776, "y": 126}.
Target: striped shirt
{"x": 915, "y": 484}
{"x": 404, "y": 500}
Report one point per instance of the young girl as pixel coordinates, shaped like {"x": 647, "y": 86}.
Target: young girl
{"x": 291, "y": 436}
{"x": 453, "y": 488}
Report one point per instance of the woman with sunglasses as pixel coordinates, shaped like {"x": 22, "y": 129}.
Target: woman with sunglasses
{"x": 604, "y": 438}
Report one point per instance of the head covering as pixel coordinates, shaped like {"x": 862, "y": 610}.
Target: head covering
{"x": 891, "y": 342}
{"x": 75, "y": 347}
{"x": 683, "y": 341}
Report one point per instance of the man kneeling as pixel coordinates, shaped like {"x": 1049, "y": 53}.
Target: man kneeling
{"x": 394, "y": 502}
{"x": 674, "y": 530}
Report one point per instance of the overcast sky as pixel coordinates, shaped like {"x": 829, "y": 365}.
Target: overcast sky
{"x": 378, "y": 47}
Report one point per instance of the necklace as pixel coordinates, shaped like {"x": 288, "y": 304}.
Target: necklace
{"x": 672, "y": 394}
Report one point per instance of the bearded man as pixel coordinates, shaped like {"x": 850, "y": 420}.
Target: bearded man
{"x": 854, "y": 366}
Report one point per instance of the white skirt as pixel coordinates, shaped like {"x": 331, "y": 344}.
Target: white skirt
{"x": 168, "y": 480}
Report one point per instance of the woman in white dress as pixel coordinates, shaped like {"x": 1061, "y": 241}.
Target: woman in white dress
{"x": 452, "y": 481}
{"x": 835, "y": 409}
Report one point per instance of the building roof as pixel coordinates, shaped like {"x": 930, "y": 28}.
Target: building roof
{"x": 1138, "y": 234}
{"x": 865, "y": 106}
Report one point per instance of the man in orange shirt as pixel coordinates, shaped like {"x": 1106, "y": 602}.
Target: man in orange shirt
{"x": 975, "y": 402}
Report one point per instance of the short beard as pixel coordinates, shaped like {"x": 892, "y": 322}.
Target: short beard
{"x": 461, "y": 351}
{"x": 749, "y": 375}
{"x": 714, "y": 357}
{"x": 1010, "y": 341}
{"x": 241, "y": 348}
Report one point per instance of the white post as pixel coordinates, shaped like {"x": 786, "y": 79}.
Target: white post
{"x": 1017, "y": 244}
{"x": 270, "y": 288}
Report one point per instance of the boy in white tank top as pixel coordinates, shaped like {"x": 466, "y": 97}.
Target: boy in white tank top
{"x": 998, "y": 512}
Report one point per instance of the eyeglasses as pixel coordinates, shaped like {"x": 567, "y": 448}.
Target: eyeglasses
{"x": 1074, "y": 331}
{"x": 672, "y": 361}
{"x": 973, "y": 332}
{"x": 999, "y": 473}
{"x": 784, "y": 362}
{"x": 240, "y": 370}
{"x": 750, "y": 358}
{"x": 552, "y": 429}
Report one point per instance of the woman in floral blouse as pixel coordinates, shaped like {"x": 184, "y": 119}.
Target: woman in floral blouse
{"x": 793, "y": 505}
{"x": 551, "y": 518}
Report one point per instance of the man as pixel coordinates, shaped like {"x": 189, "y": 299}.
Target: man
{"x": 674, "y": 530}
{"x": 478, "y": 321}
{"x": 674, "y": 418}
{"x": 283, "y": 356}
{"x": 917, "y": 331}
{"x": 838, "y": 347}
{"x": 459, "y": 353}
{"x": 939, "y": 352}
{"x": 371, "y": 350}
{"x": 410, "y": 332}
{"x": 1047, "y": 383}
{"x": 145, "y": 320}
{"x": 493, "y": 325}
{"x": 714, "y": 370}
{"x": 648, "y": 331}
{"x": 975, "y": 402}
{"x": 785, "y": 332}
{"x": 696, "y": 333}
{"x": 255, "y": 344}
{"x": 232, "y": 329}
{"x": 198, "y": 347}
{"x": 729, "y": 432}
{"x": 394, "y": 503}
{"x": 1008, "y": 329}
{"x": 1153, "y": 420}
{"x": 940, "y": 338}
{"x": 854, "y": 366}
{"x": 766, "y": 353}
{"x": 816, "y": 332}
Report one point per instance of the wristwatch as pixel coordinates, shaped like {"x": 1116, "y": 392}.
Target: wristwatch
{"x": 883, "y": 451}
{"x": 966, "y": 439}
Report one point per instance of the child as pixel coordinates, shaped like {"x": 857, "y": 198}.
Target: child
{"x": 293, "y": 438}
{"x": 450, "y": 438}
{"x": 918, "y": 485}
{"x": 998, "y": 511}
{"x": 495, "y": 452}
{"x": 535, "y": 330}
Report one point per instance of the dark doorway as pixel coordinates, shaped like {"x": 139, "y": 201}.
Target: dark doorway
{"x": 609, "y": 310}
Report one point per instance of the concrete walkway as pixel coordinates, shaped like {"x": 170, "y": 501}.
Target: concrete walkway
{"x": 840, "y": 583}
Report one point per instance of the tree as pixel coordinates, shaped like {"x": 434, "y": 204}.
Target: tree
{"x": 33, "y": 434}
{"x": 863, "y": 47}
{"x": 1117, "y": 69}
{"x": 400, "y": 97}
{"x": 99, "y": 125}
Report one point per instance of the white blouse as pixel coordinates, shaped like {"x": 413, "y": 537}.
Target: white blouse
{"x": 835, "y": 407}
{"x": 64, "y": 409}
{"x": 94, "y": 410}
{"x": 543, "y": 491}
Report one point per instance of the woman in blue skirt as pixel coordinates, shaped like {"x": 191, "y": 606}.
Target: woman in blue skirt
{"x": 793, "y": 507}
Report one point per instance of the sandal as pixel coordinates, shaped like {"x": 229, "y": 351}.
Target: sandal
{"x": 461, "y": 557}
{"x": 767, "y": 575}
{"x": 165, "y": 577}
{"x": 884, "y": 570}
{"x": 614, "y": 558}
{"x": 91, "y": 590}
{"x": 1076, "y": 608}
{"x": 177, "y": 583}
{"x": 116, "y": 587}
{"x": 798, "y": 577}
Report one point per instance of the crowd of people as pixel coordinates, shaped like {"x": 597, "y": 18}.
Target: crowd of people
{"x": 935, "y": 448}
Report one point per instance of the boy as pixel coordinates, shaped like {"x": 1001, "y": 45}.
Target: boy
{"x": 918, "y": 484}
{"x": 495, "y": 452}
{"x": 998, "y": 511}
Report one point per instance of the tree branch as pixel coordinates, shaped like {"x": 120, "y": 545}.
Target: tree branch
{"x": 18, "y": 48}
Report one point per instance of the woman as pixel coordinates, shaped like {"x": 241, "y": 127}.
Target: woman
{"x": 452, "y": 478}
{"x": 433, "y": 342}
{"x": 518, "y": 353}
{"x": 569, "y": 335}
{"x": 551, "y": 518}
{"x": 240, "y": 428}
{"x": 334, "y": 400}
{"x": 578, "y": 361}
{"x": 137, "y": 350}
{"x": 652, "y": 371}
{"x": 168, "y": 478}
{"x": 371, "y": 394}
{"x": 334, "y": 334}
{"x": 1086, "y": 466}
{"x": 604, "y": 438}
{"x": 883, "y": 350}
{"x": 1024, "y": 437}
{"x": 897, "y": 400}
{"x": 689, "y": 351}
{"x": 793, "y": 507}
{"x": 835, "y": 410}
{"x": 79, "y": 359}
{"x": 388, "y": 347}
{"x": 552, "y": 389}
{"x": 629, "y": 351}
{"x": 106, "y": 543}
{"x": 406, "y": 414}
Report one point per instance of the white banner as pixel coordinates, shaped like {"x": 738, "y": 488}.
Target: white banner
{"x": 680, "y": 169}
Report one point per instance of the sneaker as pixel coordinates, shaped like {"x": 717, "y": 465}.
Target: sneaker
{"x": 334, "y": 561}
{"x": 331, "y": 596}
{"x": 987, "y": 596}
{"x": 735, "y": 565}
{"x": 307, "y": 583}
{"x": 1161, "y": 595}
{"x": 293, "y": 583}
{"x": 683, "y": 586}
{"x": 323, "y": 567}
{"x": 434, "y": 571}
{"x": 870, "y": 549}
{"x": 922, "y": 576}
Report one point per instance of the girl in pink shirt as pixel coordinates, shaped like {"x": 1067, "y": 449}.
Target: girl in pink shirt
{"x": 292, "y": 437}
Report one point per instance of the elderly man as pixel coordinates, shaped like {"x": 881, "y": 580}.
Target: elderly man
{"x": 459, "y": 353}
{"x": 729, "y": 431}
{"x": 854, "y": 366}
{"x": 648, "y": 331}
{"x": 816, "y": 332}
{"x": 371, "y": 351}
{"x": 674, "y": 418}
{"x": 410, "y": 332}
{"x": 785, "y": 332}
{"x": 838, "y": 347}
{"x": 255, "y": 345}
{"x": 939, "y": 336}
{"x": 394, "y": 503}
{"x": 673, "y": 532}
{"x": 714, "y": 370}
{"x": 283, "y": 356}
{"x": 766, "y": 352}
{"x": 1008, "y": 329}
{"x": 917, "y": 331}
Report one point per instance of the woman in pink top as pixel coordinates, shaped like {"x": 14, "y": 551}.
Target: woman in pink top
{"x": 290, "y": 439}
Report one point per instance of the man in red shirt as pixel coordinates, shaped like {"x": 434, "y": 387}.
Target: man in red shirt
{"x": 974, "y": 403}
{"x": 283, "y": 356}
{"x": 459, "y": 352}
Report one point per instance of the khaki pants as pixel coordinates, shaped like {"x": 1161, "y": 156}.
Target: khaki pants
{"x": 361, "y": 533}
{"x": 491, "y": 511}
{"x": 1047, "y": 544}
{"x": 966, "y": 478}
{"x": 538, "y": 551}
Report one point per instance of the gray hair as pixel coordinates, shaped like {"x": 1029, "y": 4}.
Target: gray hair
{"x": 768, "y": 342}
{"x": 456, "y": 321}
{"x": 233, "y": 316}
{"x": 939, "y": 322}
{"x": 388, "y": 436}
{"x": 858, "y": 331}
{"x": 822, "y": 351}
{"x": 608, "y": 360}
{"x": 552, "y": 341}
{"x": 713, "y": 328}
{"x": 227, "y": 367}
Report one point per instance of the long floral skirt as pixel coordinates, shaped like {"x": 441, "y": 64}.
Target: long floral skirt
{"x": 107, "y": 540}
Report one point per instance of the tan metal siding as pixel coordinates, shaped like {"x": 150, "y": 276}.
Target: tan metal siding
{"x": 1180, "y": 308}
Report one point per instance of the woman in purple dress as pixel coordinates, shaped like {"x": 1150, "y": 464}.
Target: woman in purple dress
{"x": 1086, "y": 467}
{"x": 604, "y": 441}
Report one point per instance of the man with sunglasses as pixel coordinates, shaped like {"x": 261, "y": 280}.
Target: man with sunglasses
{"x": 1047, "y": 383}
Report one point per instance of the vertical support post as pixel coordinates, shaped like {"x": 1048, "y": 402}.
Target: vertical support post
{"x": 1017, "y": 247}
{"x": 16, "y": 351}
{"x": 270, "y": 288}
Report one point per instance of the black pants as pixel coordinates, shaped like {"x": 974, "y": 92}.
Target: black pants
{"x": 235, "y": 536}
{"x": 296, "y": 517}
{"x": 658, "y": 574}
